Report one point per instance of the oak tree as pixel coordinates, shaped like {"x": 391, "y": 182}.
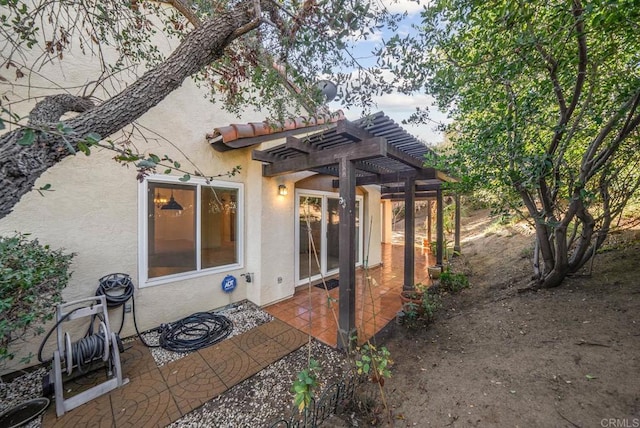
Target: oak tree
{"x": 268, "y": 53}
{"x": 544, "y": 99}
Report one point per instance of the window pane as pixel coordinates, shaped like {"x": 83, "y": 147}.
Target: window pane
{"x": 333, "y": 234}
{"x": 310, "y": 209}
{"x": 219, "y": 222}
{"x": 172, "y": 229}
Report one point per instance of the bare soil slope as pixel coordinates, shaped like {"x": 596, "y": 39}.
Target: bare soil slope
{"x": 567, "y": 357}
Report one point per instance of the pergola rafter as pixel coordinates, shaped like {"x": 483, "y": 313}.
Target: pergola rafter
{"x": 369, "y": 151}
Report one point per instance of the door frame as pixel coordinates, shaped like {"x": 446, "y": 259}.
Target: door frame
{"x": 323, "y": 233}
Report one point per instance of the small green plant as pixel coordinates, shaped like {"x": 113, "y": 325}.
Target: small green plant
{"x": 421, "y": 311}
{"x": 373, "y": 362}
{"x": 411, "y": 314}
{"x": 453, "y": 282}
{"x": 418, "y": 291}
{"x": 32, "y": 277}
{"x": 304, "y": 386}
{"x": 429, "y": 305}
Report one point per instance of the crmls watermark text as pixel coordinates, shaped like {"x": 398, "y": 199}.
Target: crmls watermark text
{"x": 620, "y": 423}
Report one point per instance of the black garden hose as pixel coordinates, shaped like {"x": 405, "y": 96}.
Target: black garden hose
{"x": 117, "y": 289}
{"x": 189, "y": 334}
{"x": 195, "y": 332}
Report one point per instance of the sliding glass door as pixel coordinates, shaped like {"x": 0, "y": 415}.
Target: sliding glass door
{"x": 317, "y": 234}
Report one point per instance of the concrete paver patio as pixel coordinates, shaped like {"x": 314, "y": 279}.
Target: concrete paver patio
{"x": 157, "y": 396}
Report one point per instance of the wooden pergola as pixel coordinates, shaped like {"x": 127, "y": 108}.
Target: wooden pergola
{"x": 369, "y": 151}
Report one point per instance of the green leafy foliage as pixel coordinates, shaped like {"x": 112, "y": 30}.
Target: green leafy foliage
{"x": 544, "y": 98}
{"x": 421, "y": 310}
{"x": 27, "y": 138}
{"x": 305, "y": 384}
{"x": 374, "y": 362}
{"x": 32, "y": 277}
{"x": 453, "y": 282}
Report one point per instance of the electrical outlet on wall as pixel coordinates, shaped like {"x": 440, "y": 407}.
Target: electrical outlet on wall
{"x": 279, "y": 280}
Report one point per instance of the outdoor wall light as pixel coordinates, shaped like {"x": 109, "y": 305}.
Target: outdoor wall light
{"x": 282, "y": 190}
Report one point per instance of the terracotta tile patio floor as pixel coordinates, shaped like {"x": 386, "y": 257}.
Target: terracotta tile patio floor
{"x": 315, "y": 310}
{"x": 156, "y": 396}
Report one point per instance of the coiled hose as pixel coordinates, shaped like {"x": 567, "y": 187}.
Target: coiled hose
{"x": 195, "y": 332}
{"x": 117, "y": 289}
{"x": 87, "y": 350}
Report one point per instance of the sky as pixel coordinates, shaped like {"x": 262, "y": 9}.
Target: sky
{"x": 395, "y": 105}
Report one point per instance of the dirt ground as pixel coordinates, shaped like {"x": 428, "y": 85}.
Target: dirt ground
{"x": 567, "y": 357}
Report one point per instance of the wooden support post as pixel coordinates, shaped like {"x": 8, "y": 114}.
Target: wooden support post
{"x": 439, "y": 228}
{"x": 347, "y": 247}
{"x": 429, "y": 234}
{"x": 456, "y": 245}
{"x": 409, "y": 234}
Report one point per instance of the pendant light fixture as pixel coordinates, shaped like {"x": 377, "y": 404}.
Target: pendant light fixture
{"x": 172, "y": 204}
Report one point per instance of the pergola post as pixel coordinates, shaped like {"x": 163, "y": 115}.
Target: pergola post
{"x": 456, "y": 245}
{"x": 439, "y": 228}
{"x": 409, "y": 233}
{"x": 429, "y": 206}
{"x": 347, "y": 251}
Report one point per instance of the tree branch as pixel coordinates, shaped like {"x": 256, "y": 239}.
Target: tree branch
{"x": 20, "y": 166}
{"x": 52, "y": 108}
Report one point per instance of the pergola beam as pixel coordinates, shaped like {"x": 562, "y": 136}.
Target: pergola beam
{"x": 419, "y": 188}
{"x": 298, "y": 145}
{"x": 367, "y": 149}
{"x": 418, "y": 196}
{"x": 395, "y": 177}
{"x": 352, "y": 132}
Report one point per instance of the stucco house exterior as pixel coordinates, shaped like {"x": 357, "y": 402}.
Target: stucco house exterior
{"x": 182, "y": 241}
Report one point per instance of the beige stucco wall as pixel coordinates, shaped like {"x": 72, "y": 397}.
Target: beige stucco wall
{"x": 94, "y": 210}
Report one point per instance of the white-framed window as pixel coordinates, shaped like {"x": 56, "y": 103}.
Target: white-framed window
{"x": 189, "y": 229}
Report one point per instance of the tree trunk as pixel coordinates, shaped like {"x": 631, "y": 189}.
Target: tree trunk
{"x": 20, "y": 166}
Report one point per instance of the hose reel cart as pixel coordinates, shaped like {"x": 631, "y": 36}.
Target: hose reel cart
{"x": 91, "y": 349}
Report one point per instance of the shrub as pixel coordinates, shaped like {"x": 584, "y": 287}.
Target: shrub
{"x": 32, "y": 277}
{"x": 453, "y": 282}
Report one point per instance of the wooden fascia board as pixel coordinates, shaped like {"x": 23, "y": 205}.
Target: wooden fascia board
{"x": 368, "y": 149}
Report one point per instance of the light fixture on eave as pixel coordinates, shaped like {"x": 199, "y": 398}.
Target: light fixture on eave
{"x": 172, "y": 204}
{"x": 282, "y": 190}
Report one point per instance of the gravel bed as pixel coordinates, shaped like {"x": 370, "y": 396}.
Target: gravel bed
{"x": 21, "y": 389}
{"x": 256, "y": 402}
{"x": 266, "y": 397}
